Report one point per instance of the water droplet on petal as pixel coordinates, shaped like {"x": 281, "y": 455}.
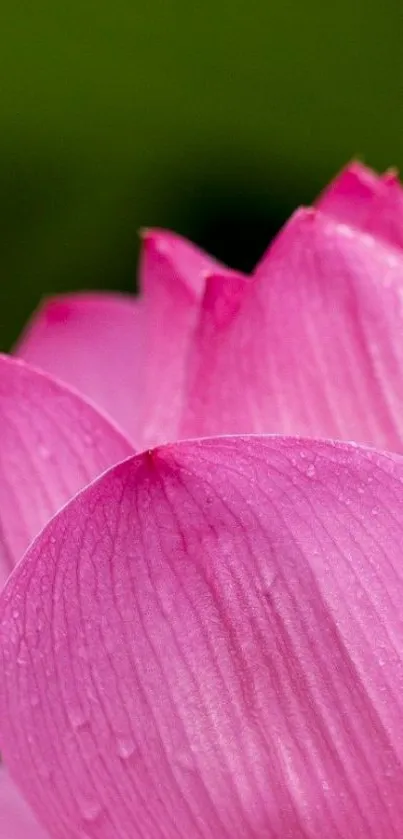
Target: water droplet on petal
{"x": 184, "y": 760}
{"x": 125, "y": 747}
{"x": 90, "y": 809}
{"x": 23, "y": 654}
{"x": 77, "y": 717}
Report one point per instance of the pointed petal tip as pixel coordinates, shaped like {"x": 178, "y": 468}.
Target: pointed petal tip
{"x": 164, "y": 240}
{"x": 75, "y": 305}
{"x": 392, "y": 177}
{"x": 357, "y": 170}
{"x": 157, "y": 240}
{"x": 368, "y": 201}
{"x": 93, "y": 341}
{"x": 368, "y": 176}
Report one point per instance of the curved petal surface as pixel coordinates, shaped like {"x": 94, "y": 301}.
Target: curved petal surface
{"x": 52, "y": 443}
{"x": 313, "y": 345}
{"x": 173, "y": 274}
{"x": 220, "y": 648}
{"x": 16, "y": 819}
{"x": 363, "y": 199}
{"x": 93, "y": 342}
{"x": 169, "y": 259}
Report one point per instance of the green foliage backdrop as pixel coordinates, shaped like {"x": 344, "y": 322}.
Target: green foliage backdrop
{"x": 213, "y": 118}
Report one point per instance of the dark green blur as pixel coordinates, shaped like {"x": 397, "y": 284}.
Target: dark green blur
{"x": 212, "y": 118}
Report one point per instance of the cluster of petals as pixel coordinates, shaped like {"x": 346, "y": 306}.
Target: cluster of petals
{"x": 201, "y": 529}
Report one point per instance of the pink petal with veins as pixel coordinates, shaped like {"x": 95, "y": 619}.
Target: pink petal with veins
{"x": 52, "y": 443}
{"x": 93, "y": 342}
{"x": 16, "y": 819}
{"x": 363, "y": 199}
{"x": 220, "y": 648}
{"x": 312, "y": 345}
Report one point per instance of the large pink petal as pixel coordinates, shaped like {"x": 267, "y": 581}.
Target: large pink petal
{"x": 52, "y": 443}
{"x": 313, "y": 345}
{"x": 173, "y": 274}
{"x": 93, "y": 342}
{"x": 208, "y": 643}
{"x": 361, "y": 198}
{"x": 16, "y": 819}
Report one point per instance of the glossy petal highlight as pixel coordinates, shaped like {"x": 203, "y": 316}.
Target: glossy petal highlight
{"x": 313, "y": 345}
{"x": 16, "y": 819}
{"x": 361, "y": 198}
{"x": 93, "y": 342}
{"x": 52, "y": 443}
{"x": 220, "y": 648}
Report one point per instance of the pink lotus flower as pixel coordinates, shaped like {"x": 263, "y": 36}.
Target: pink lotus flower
{"x": 206, "y": 640}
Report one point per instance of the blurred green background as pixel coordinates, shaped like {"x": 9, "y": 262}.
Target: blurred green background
{"x": 214, "y": 119}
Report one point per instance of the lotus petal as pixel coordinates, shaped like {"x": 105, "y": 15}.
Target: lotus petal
{"x": 173, "y": 274}
{"x": 52, "y": 443}
{"x": 313, "y": 345}
{"x": 208, "y": 643}
{"x": 361, "y": 198}
{"x": 93, "y": 342}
